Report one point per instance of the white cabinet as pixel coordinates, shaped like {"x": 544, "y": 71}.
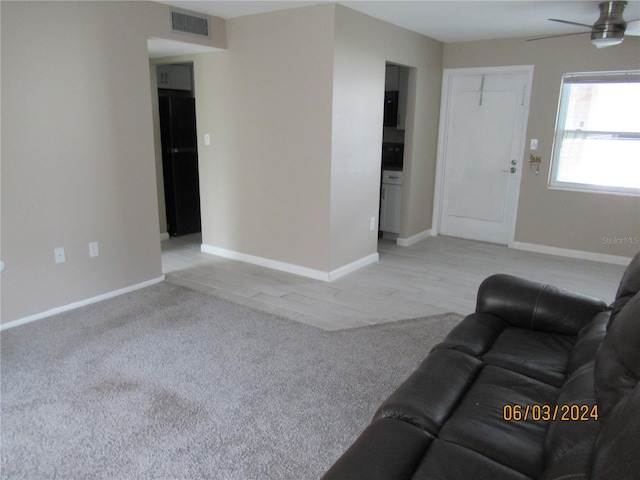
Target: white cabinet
{"x": 390, "y": 201}
{"x": 174, "y": 77}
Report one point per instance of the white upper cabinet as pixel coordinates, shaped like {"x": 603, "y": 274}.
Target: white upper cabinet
{"x": 174, "y": 77}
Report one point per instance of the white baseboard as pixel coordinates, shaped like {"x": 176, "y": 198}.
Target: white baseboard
{"x": 164, "y": 236}
{"x": 406, "y": 242}
{"x": 81, "y": 303}
{"x": 353, "y": 266}
{"x": 565, "y": 252}
{"x": 289, "y": 267}
{"x": 266, "y": 262}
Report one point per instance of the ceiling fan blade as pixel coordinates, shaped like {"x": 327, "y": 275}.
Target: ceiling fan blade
{"x": 633, "y": 30}
{"x": 570, "y": 23}
{"x": 556, "y": 36}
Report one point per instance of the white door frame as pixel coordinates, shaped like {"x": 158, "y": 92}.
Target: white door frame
{"x": 447, "y": 79}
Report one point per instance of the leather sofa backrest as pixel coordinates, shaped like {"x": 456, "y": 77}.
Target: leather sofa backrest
{"x": 629, "y": 286}
{"x": 618, "y": 360}
{"x": 617, "y": 388}
{"x": 615, "y": 455}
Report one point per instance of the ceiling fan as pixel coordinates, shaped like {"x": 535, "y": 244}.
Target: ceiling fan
{"x": 608, "y": 29}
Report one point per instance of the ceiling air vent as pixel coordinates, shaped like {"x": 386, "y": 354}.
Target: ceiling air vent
{"x": 186, "y": 23}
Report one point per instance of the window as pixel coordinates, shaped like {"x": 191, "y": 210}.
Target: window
{"x": 597, "y": 142}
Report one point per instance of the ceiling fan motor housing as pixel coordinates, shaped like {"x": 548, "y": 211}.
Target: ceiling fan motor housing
{"x": 610, "y": 24}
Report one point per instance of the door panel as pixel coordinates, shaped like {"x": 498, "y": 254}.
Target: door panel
{"x": 484, "y": 124}
{"x": 180, "y": 164}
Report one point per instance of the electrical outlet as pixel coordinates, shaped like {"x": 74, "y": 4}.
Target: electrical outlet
{"x": 372, "y": 224}
{"x": 94, "y": 251}
{"x": 58, "y": 253}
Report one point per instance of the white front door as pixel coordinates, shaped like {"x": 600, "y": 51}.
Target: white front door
{"x": 481, "y": 153}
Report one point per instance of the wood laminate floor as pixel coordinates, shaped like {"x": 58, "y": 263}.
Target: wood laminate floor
{"x": 436, "y": 275}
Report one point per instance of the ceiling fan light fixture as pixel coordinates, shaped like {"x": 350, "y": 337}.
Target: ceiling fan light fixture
{"x": 607, "y": 38}
{"x": 609, "y": 28}
{"x": 606, "y": 42}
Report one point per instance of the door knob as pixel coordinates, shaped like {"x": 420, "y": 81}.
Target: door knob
{"x": 511, "y": 170}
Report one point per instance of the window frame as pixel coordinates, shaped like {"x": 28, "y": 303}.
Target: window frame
{"x": 568, "y": 79}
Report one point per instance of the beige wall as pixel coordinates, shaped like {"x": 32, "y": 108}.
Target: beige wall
{"x": 561, "y": 219}
{"x": 77, "y": 151}
{"x": 294, "y": 110}
{"x": 266, "y": 102}
{"x": 362, "y": 47}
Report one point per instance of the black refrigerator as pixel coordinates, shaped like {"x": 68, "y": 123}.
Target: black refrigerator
{"x": 180, "y": 164}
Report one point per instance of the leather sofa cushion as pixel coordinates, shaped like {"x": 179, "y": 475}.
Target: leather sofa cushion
{"x": 446, "y": 461}
{"x": 539, "y": 355}
{"x": 474, "y": 335}
{"x": 478, "y": 424}
{"x": 392, "y": 449}
{"x": 386, "y": 449}
{"x": 433, "y": 390}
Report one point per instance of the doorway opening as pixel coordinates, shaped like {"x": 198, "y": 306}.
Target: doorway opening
{"x": 178, "y": 136}
{"x": 397, "y": 98}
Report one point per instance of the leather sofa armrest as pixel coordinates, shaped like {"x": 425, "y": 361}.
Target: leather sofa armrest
{"x": 536, "y": 306}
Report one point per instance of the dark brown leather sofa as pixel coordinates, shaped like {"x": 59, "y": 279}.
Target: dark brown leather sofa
{"x": 538, "y": 383}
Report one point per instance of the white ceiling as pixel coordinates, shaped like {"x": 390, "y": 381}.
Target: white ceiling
{"x": 446, "y": 21}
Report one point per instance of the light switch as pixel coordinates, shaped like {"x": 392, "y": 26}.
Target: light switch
{"x": 207, "y": 139}
{"x": 534, "y": 144}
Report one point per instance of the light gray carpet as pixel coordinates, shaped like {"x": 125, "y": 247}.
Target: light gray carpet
{"x": 169, "y": 383}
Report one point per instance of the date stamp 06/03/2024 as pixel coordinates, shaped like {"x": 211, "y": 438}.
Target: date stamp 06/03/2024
{"x": 547, "y": 412}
